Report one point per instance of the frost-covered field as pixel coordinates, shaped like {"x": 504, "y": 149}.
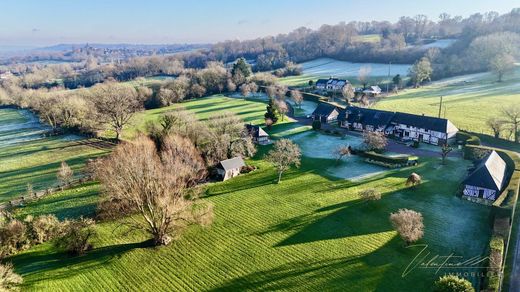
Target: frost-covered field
{"x": 317, "y": 145}
{"x": 444, "y": 43}
{"x": 326, "y": 67}
{"x": 468, "y": 100}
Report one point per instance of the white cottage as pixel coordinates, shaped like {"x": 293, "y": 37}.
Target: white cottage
{"x": 487, "y": 180}
{"x": 230, "y": 168}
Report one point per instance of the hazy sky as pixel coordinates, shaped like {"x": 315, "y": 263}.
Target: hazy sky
{"x": 44, "y": 22}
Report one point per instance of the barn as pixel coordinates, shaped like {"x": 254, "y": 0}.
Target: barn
{"x": 487, "y": 180}
{"x": 326, "y": 113}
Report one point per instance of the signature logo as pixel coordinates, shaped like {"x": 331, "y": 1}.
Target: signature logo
{"x": 426, "y": 260}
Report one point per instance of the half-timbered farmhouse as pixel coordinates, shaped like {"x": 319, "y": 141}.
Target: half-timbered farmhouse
{"x": 331, "y": 84}
{"x": 488, "y": 179}
{"x": 431, "y": 130}
{"x": 258, "y": 134}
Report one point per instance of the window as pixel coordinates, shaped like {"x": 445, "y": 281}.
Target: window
{"x": 481, "y": 193}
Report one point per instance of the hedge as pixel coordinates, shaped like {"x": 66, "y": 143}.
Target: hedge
{"x": 385, "y": 159}
{"x": 467, "y": 138}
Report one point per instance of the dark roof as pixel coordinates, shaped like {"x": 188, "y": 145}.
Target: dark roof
{"x": 322, "y": 81}
{"x": 323, "y": 109}
{"x": 424, "y": 122}
{"x": 490, "y": 173}
{"x": 233, "y": 163}
{"x": 256, "y": 131}
{"x": 366, "y": 116}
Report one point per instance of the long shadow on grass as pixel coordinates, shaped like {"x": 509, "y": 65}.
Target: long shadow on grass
{"x": 379, "y": 270}
{"x": 59, "y": 265}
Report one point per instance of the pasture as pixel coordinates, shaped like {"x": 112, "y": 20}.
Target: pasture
{"x": 310, "y": 232}
{"x": 469, "y": 100}
{"x": 326, "y": 67}
{"x": 26, "y": 156}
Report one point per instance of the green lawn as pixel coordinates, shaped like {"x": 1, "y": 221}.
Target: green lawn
{"x": 26, "y": 157}
{"x": 310, "y": 232}
{"x": 248, "y": 110}
{"x": 469, "y": 100}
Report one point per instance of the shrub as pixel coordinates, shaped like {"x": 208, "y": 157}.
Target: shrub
{"x": 398, "y": 160}
{"x": 370, "y": 195}
{"x": 413, "y": 180}
{"x": 9, "y": 280}
{"x": 13, "y": 237}
{"x": 76, "y": 236}
{"x": 247, "y": 169}
{"x": 65, "y": 174}
{"x": 452, "y": 283}
{"x": 409, "y": 224}
{"x": 44, "y": 228}
{"x": 467, "y": 139}
{"x": 328, "y": 131}
{"x": 316, "y": 125}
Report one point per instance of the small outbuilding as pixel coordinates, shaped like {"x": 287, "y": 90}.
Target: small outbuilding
{"x": 326, "y": 113}
{"x": 230, "y": 168}
{"x": 485, "y": 183}
{"x": 258, "y": 134}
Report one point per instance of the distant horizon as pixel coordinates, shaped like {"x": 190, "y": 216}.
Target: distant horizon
{"x": 53, "y": 22}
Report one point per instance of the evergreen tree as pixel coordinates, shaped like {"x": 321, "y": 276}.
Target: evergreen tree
{"x": 272, "y": 112}
{"x": 243, "y": 67}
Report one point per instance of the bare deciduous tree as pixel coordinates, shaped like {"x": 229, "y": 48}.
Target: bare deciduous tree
{"x": 284, "y": 154}
{"x": 364, "y": 75}
{"x": 156, "y": 186}
{"x": 445, "y": 150}
{"x": 116, "y": 103}
{"x": 9, "y": 280}
{"x": 64, "y": 174}
{"x": 341, "y": 152}
{"x": 512, "y": 115}
{"x": 297, "y": 97}
{"x": 374, "y": 141}
{"x": 348, "y": 93}
{"x": 282, "y": 107}
{"x": 409, "y": 225}
{"x": 496, "y": 126}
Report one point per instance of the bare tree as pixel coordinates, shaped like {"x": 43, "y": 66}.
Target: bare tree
{"x": 64, "y": 174}
{"x": 282, "y": 107}
{"x": 297, "y": 97}
{"x": 76, "y": 236}
{"x": 409, "y": 225}
{"x": 445, "y": 150}
{"x": 348, "y": 93}
{"x": 340, "y": 152}
{"x": 512, "y": 115}
{"x": 496, "y": 126}
{"x": 502, "y": 64}
{"x": 9, "y": 280}
{"x": 364, "y": 75}
{"x": 245, "y": 89}
{"x": 374, "y": 141}
{"x": 284, "y": 154}
{"x": 156, "y": 186}
{"x": 116, "y": 103}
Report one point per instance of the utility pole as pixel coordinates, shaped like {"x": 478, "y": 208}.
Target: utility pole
{"x": 388, "y": 81}
{"x": 440, "y": 107}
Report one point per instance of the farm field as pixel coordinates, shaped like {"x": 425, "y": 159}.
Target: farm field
{"x": 312, "y": 227}
{"x": 250, "y": 110}
{"x": 28, "y": 157}
{"x": 469, "y": 100}
{"x": 326, "y": 67}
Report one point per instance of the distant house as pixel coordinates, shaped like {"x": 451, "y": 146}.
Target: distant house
{"x": 258, "y": 134}
{"x": 326, "y": 113}
{"x": 431, "y": 130}
{"x": 364, "y": 119}
{"x": 487, "y": 180}
{"x": 373, "y": 90}
{"x": 331, "y": 84}
{"x": 6, "y": 75}
{"x": 230, "y": 168}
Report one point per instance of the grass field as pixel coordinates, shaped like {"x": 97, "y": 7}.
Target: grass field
{"x": 310, "y": 232}
{"x": 469, "y": 100}
{"x": 326, "y": 67}
{"x": 28, "y": 157}
{"x": 250, "y": 111}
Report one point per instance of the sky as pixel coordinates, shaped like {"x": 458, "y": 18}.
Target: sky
{"x": 47, "y": 22}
